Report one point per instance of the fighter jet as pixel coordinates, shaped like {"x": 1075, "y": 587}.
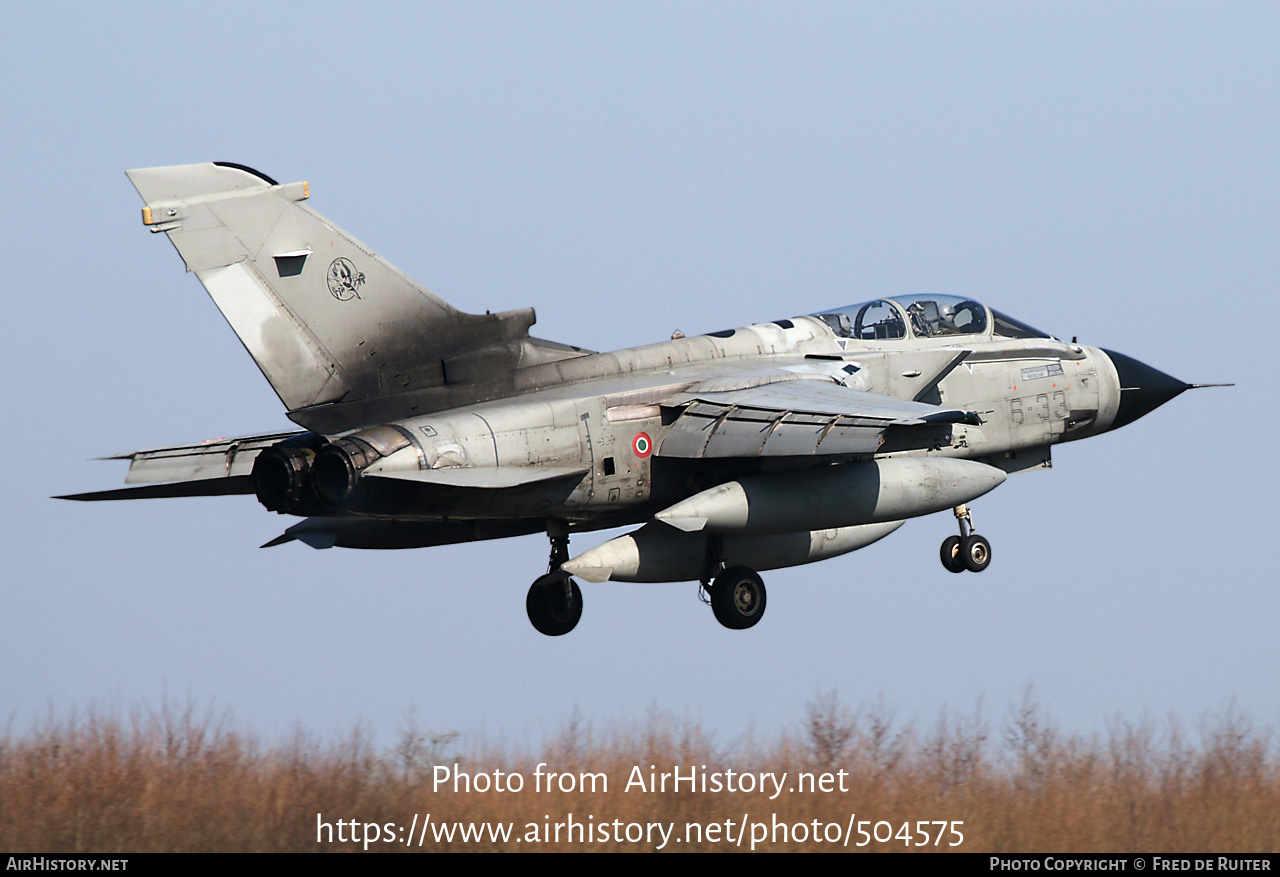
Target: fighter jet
{"x": 757, "y": 448}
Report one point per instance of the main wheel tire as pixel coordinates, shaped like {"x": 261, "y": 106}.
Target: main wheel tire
{"x": 950, "y": 554}
{"x": 738, "y": 598}
{"x": 976, "y": 553}
{"x": 549, "y": 612}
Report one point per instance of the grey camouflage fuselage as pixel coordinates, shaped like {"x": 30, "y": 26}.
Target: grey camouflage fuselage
{"x": 765, "y": 446}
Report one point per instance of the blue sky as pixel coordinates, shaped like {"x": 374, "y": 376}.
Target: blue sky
{"x": 1100, "y": 170}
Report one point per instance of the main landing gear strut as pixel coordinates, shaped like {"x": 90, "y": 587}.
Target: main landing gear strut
{"x": 737, "y": 594}
{"x": 968, "y": 551}
{"x": 554, "y": 603}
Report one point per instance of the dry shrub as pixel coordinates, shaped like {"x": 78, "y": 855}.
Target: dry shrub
{"x": 185, "y": 780}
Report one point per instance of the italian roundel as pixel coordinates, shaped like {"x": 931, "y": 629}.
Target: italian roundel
{"x": 642, "y": 444}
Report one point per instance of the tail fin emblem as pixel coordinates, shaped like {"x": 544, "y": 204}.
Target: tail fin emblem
{"x": 344, "y": 279}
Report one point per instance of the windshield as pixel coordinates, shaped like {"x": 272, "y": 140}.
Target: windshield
{"x": 1008, "y": 327}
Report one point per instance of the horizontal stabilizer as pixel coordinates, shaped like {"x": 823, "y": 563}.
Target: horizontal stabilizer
{"x": 219, "y": 458}
{"x": 235, "y": 485}
{"x": 374, "y": 533}
{"x": 220, "y": 467}
{"x": 320, "y": 539}
{"x": 486, "y": 477}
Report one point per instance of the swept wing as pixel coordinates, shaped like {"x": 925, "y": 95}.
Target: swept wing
{"x": 793, "y": 418}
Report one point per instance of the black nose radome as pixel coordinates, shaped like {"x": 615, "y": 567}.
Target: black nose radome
{"x": 1142, "y": 388}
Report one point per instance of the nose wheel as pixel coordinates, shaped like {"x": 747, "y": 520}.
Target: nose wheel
{"x": 968, "y": 551}
{"x": 736, "y": 593}
{"x": 738, "y": 598}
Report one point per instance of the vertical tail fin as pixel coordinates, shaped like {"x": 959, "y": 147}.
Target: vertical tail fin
{"x": 323, "y": 316}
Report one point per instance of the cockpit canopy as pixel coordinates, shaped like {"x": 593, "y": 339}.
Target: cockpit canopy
{"x": 922, "y": 316}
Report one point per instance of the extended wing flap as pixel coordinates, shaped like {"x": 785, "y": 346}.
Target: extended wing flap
{"x": 829, "y": 398}
{"x": 795, "y": 418}
{"x": 706, "y": 431}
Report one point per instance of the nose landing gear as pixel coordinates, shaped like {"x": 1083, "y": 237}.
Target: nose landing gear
{"x": 737, "y": 594}
{"x": 738, "y": 598}
{"x": 968, "y": 551}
